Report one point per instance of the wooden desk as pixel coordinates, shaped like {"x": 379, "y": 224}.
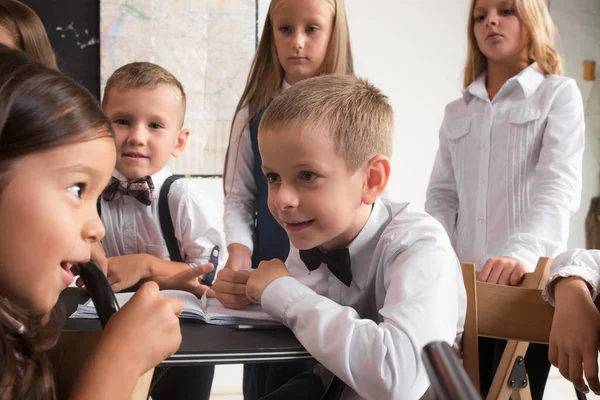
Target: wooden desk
{"x": 202, "y": 343}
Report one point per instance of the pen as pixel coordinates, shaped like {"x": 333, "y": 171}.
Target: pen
{"x": 214, "y": 260}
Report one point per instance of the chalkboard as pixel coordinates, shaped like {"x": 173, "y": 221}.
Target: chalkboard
{"x": 73, "y": 28}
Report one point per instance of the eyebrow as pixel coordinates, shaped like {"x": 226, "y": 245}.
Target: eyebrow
{"x": 80, "y": 168}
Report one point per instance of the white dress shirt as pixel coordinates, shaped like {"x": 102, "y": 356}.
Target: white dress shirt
{"x": 507, "y": 176}
{"x": 407, "y": 290}
{"x": 133, "y": 227}
{"x": 582, "y": 263}
{"x": 240, "y": 186}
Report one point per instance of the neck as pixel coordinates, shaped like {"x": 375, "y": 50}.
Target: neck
{"x": 356, "y": 226}
{"x": 499, "y": 73}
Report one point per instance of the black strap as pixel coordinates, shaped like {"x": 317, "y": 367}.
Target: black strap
{"x": 166, "y": 222}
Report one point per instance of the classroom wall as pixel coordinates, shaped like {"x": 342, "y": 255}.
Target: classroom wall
{"x": 414, "y": 51}
{"x": 578, "y": 22}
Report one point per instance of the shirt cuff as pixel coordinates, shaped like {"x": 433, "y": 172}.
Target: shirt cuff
{"x": 280, "y": 295}
{"x": 240, "y": 238}
{"x": 589, "y": 276}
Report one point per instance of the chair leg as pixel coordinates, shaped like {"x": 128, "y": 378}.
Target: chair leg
{"x": 521, "y": 394}
{"x": 500, "y": 389}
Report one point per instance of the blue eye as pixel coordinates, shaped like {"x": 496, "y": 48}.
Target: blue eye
{"x": 77, "y": 189}
{"x": 506, "y": 12}
{"x": 308, "y": 176}
{"x": 479, "y": 18}
{"x": 121, "y": 121}
{"x": 272, "y": 178}
{"x": 285, "y": 29}
{"x": 312, "y": 29}
{"x": 154, "y": 125}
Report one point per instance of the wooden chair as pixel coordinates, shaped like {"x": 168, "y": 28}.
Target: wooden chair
{"x": 518, "y": 314}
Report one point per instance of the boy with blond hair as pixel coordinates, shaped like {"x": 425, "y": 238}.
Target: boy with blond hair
{"x": 146, "y": 105}
{"x": 368, "y": 282}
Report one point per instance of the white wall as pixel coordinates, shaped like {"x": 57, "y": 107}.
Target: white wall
{"x": 578, "y": 22}
{"x": 414, "y": 51}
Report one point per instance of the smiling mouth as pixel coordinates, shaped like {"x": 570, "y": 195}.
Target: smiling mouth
{"x": 134, "y": 155}
{"x": 297, "y": 226}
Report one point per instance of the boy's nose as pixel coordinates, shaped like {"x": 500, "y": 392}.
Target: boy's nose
{"x": 137, "y": 135}
{"x": 286, "y": 197}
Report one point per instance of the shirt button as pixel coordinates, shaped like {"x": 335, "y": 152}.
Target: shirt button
{"x": 480, "y": 221}
{"x": 482, "y": 181}
{"x": 485, "y": 148}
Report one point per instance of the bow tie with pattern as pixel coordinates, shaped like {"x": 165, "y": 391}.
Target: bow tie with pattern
{"x": 140, "y": 189}
{"x": 337, "y": 261}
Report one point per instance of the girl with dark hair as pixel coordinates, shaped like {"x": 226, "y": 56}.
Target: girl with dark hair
{"x": 56, "y": 156}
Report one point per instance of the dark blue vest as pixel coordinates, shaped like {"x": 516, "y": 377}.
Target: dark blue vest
{"x": 271, "y": 239}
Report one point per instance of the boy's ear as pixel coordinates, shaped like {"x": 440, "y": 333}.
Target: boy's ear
{"x": 378, "y": 171}
{"x": 181, "y": 142}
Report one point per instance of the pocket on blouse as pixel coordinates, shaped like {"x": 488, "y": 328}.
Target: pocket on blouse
{"x": 458, "y": 128}
{"x": 523, "y": 120}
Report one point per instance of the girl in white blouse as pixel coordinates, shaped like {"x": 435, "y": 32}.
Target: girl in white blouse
{"x": 507, "y": 176}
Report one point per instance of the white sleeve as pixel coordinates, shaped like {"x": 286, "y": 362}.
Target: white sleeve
{"x": 378, "y": 360}
{"x": 582, "y": 263}
{"x": 240, "y": 186}
{"x": 557, "y": 191}
{"x": 197, "y": 223}
{"x": 442, "y": 197}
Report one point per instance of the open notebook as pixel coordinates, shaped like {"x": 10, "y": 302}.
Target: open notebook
{"x": 208, "y": 310}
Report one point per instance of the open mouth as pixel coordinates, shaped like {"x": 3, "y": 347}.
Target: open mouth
{"x": 67, "y": 274}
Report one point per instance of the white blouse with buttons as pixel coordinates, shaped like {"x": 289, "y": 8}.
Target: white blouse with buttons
{"x": 507, "y": 175}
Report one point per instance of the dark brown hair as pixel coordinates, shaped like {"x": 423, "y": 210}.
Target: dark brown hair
{"x": 40, "y": 109}
{"x": 27, "y": 31}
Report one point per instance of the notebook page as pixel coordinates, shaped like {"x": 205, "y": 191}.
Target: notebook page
{"x": 218, "y": 314}
{"x": 191, "y": 305}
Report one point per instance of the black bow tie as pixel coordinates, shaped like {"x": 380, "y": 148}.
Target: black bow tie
{"x": 337, "y": 261}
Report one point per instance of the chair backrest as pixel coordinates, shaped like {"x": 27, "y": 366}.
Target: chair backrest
{"x": 515, "y": 313}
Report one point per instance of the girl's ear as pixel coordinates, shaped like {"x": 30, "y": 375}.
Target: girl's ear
{"x": 377, "y": 173}
{"x": 181, "y": 142}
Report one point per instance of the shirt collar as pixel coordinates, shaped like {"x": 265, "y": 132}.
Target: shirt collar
{"x": 285, "y": 86}
{"x": 157, "y": 179}
{"x": 529, "y": 80}
{"x": 363, "y": 246}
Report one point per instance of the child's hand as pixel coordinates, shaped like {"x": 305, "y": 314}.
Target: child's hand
{"x": 126, "y": 271}
{"x": 502, "y": 271}
{"x": 230, "y": 288}
{"x": 266, "y": 273}
{"x": 575, "y": 334}
{"x": 240, "y": 257}
{"x": 144, "y": 332}
{"x": 187, "y": 280}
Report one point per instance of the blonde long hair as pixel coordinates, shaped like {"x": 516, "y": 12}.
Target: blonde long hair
{"x": 535, "y": 17}
{"x": 266, "y": 73}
